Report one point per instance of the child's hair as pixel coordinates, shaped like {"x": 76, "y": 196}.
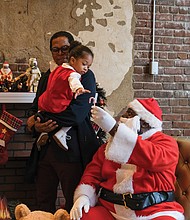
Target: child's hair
{"x": 77, "y": 50}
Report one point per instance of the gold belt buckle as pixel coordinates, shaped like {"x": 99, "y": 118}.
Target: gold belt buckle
{"x": 126, "y": 194}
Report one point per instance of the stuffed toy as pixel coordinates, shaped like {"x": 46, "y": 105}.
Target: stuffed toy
{"x": 22, "y": 212}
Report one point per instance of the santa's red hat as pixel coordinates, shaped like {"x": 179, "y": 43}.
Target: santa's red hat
{"x": 148, "y": 110}
{"x": 6, "y": 64}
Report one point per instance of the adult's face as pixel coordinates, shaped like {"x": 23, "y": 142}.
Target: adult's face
{"x": 60, "y": 49}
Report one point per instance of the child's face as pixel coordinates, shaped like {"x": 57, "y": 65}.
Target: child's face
{"x": 81, "y": 65}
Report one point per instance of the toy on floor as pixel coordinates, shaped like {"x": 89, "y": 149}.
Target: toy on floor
{"x": 22, "y": 212}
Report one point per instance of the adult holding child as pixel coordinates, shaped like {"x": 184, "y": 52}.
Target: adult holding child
{"x": 55, "y": 164}
{"x": 63, "y": 83}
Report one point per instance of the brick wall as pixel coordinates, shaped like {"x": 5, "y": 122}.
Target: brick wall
{"x": 171, "y": 87}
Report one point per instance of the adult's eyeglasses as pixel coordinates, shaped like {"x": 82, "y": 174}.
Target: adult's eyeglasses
{"x": 63, "y": 49}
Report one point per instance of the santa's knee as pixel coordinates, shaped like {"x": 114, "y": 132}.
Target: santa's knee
{"x": 97, "y": 212}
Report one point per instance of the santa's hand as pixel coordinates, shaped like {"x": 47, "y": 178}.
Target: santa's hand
{"x": 102, "y": 118}
{"x": 132, "y": 123}
{"x": 76, "y": 211}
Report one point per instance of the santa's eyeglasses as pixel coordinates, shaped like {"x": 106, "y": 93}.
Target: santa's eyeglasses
{"x": 63, "y": 49}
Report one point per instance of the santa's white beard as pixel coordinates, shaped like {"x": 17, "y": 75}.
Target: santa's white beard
{"x": 5, "y": 71}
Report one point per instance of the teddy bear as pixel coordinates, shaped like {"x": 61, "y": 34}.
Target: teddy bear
{"x": 22, "y": 212}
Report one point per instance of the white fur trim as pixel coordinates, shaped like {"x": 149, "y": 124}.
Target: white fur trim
{"x": 124, "y": 179}
{"x": 87, "y": 190}
{"x": 144, "y": 114}
{"x": 175, "y": 214}
{"x": 2, "y": 143}
{"x": 150, "y": 132}
{"x": 128, "y": 214}
{"x": 123, "y": 214}
{"x": 8, "y": 126}
{"x": 120, "y": 147}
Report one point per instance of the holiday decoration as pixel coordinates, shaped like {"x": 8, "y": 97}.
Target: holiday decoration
{"x": 6, "y": 77}
{"x": 9, "y": 124}
{"x": 27, "y": 81}
{"x": 101, "y": 102}
{"x": 34, "y": 75}
{"x": 22, "y": 212}
{"x": 5, "y": 72}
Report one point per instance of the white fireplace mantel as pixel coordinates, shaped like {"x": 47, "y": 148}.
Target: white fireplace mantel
{"x": 17, "y": 97}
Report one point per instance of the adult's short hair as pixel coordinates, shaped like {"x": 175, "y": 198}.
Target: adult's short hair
{"x": 61, "y": 34}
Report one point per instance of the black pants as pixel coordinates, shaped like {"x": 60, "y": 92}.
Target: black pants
{"x": 52, "y": 171}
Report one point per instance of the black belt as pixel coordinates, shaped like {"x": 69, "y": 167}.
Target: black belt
{"x": 137, "y": 201}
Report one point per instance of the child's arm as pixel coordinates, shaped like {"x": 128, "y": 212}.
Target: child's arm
{"x": 76, "y": 85}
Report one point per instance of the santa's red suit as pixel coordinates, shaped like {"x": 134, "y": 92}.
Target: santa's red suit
{"x": 134, "y": 164}
{"x": 5, "y": 72}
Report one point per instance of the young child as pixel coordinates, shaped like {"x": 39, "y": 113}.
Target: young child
{"x": 63, "y": 83}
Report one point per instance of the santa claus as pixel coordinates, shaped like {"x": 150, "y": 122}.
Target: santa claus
{"x": 132, "y": 176}
{"x": 6, "y": 73}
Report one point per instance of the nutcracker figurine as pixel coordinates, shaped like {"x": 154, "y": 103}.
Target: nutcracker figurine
{"x": 34, "y": 75}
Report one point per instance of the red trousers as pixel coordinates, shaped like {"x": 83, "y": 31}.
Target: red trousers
{"x": 101, "y": 213}
{"x": 97, "y": 212}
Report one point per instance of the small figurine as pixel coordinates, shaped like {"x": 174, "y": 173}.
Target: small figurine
{"x": 34, "y": 74}
{"x": 6, "y": 73}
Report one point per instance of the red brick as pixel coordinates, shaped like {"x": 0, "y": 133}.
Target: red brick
{"x": 171, "y": 117}
{"x": 152, "y": 86}
{"x": 182, "y": 78}
{"x": 173, "y": 71}
{"x": 172, "y": 55}
{"x": 173, "y": 132}
{"x": 166, "y": 109}
{"x": 143, "y": 16}
{"x": 186, "y": 117}
{"x": 163, "y": 9}
{"x": 181, "y": 110}
{"x": 143, "y": 94}
{"x": 181, "y": 94}
{"x": 183, "y": 10}
{"x": 183, "y": 102}
{"x": 181, "y": 18}
{"x": 163, "y": 94}
{"x": 164, "y": 78}
{"x": 186, "y": 86}
{"x": 173, "y": 10}
{"x": 138, "y": 85}
{"x": 182, "y": 63}
{"x": 172, "y": 86}
{"x": 183, "y": 3}
{"x": 163, "y": 102}
{"x": 174, "y": 102}
{"x": 187, "y": 133}
{"x": 181, "y": 124}
{"x": 167, "y": 125}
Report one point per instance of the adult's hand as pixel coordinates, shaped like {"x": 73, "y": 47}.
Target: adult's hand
{"x": 76, "y": 211}
{"x": 47, "y": 126}
{"x": 30, "y": 123}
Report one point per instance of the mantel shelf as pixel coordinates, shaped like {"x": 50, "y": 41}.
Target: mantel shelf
{"x": 17, "y": 97}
